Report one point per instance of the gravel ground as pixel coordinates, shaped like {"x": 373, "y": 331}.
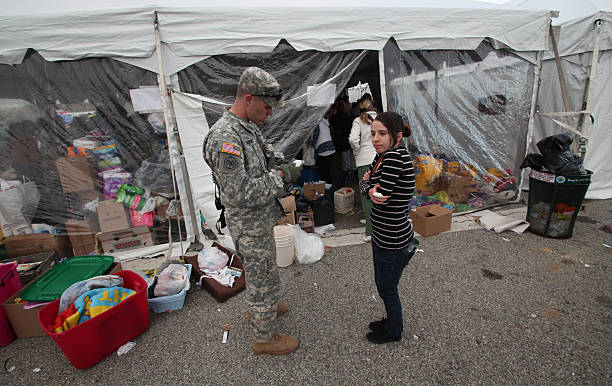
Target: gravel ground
{"x": 479, "y": 307}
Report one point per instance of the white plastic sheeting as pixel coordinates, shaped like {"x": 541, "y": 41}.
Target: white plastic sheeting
{"x": 469, "y": 114}
{"x": 193, "y": 127}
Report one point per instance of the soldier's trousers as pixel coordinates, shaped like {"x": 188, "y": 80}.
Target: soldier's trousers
{"x": 258, "y": 254}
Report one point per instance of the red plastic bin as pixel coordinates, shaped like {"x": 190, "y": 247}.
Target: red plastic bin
{"x": 89, "y": 342}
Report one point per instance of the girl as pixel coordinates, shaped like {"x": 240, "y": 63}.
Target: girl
{"x": 364, "y": 152}
{"x": 389, "y": 183}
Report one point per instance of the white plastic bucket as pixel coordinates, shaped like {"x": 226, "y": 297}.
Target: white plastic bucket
{"x": 285, "y": 245}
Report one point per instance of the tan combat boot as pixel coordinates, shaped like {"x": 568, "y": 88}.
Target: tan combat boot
{"x": 277, "y": 345}
{"x": 281, "y": 309}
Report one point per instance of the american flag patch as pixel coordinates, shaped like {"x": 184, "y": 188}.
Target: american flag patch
{"x": 230, "y": 149}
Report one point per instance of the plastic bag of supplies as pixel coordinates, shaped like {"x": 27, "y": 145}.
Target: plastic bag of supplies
{"x": 309, "y": 247}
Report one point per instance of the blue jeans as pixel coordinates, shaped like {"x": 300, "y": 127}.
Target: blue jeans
{"x": 388, "y": 267}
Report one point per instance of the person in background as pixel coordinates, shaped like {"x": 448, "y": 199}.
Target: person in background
{"x": 250, "y": 183}
{"x": 361, "y": 143}
{"x": 389, "y": 183}
{"x": 341, "y": 123}
{"x": 324, "y": 148}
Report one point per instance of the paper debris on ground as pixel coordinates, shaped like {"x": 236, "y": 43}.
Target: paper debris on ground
{"x": 498, "y": 223}
{"x": 125, "y": 348}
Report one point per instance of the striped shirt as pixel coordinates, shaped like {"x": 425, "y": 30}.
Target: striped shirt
{"x": 391, "y": 224}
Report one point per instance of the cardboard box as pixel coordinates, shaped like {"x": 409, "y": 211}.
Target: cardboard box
{"x": 132, "y": 238}
{"x": 75, "y": 174}
{"x": 82, "y": 234}
{"x": 288, "y": 204}
{"x": 112, "y": 216}
{"x": 46, "y": 260}
{"x": 459, "y": 188}
{"x": 38, "y": 242}
{"x": 313, "y": 191}
{"x": 305, "y": 220}
{"x": 25, "y": 321}
{"x": 431, "y": 219}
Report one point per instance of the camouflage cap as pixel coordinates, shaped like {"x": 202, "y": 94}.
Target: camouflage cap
{"x": 257, "y": 82}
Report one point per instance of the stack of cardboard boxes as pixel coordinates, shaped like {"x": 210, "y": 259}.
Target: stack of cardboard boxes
{"x": 107, "y": 232}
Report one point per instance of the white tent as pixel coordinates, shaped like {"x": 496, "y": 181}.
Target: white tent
{"x": 577, "y": 20}
{"x": 190, "y": 31}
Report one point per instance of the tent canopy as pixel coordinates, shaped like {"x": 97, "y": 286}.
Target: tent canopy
{"x": 72, "y": 30}
{"x": 576, "y": 19}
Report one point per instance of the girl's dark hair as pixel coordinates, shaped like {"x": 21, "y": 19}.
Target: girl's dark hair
{"x": 395, "y": 124}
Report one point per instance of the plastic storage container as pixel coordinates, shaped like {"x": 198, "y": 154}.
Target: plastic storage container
{"x": 9, "y": 284}
{"x": 170, "y": 302}
{"x": 89, "y": 342}
{"x": 554, "y": 203}
{"x": 54, "y": 282}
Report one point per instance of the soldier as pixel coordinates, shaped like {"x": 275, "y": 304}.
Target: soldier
{"x": 250, "y": 184}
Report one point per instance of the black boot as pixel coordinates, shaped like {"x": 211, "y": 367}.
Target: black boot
{"x": 378, "y": 325}
{"x": 380, "y": 337}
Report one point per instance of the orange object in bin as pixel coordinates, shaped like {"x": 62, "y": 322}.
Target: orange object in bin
{"x": 89, "y": 342}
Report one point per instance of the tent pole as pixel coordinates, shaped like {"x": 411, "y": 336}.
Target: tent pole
{"x": 381, "y": 70}
{"x": 584, "y": 123}
{"x": 165, "y": 93}
{"x": 537, "y": 78}
{"x": 561, "y": 74}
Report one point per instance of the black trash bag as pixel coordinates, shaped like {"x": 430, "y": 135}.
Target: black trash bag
{"x": 557, "y": 157}
{"x": 323, "y": 211}
{"x": 534, "y": 161}
{"x": 302, "y": 204}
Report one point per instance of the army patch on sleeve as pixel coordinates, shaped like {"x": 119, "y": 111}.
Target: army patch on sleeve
{"x": 230, "y": 149}
{"x": 229, "y": 163}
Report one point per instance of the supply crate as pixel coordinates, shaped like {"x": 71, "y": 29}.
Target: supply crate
{"x": 89, "y": 342}
{"x": 220, "y": 292}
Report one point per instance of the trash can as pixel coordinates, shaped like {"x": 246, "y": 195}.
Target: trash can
{"x": 554, "y": 203}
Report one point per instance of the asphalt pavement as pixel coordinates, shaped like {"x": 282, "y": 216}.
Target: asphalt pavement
{"x": 479, "y": 308}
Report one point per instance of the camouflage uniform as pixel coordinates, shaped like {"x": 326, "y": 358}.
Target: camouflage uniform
{"x": 243, "y": 167}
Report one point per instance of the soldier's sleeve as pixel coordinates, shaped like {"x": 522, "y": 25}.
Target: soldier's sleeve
{"x": 224, "y": 154}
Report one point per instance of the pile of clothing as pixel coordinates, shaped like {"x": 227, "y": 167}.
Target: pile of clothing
{"x": 88, "y": 298}
{"x": 216, "y": 265}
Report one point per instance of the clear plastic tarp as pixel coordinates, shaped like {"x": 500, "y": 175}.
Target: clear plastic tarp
{"x": 469, "y": 114}
{"x": 311, "y": 80}
{"x": 72, "y": 134}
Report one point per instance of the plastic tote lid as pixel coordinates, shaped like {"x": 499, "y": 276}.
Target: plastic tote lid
{"x": 54, "y": 282}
